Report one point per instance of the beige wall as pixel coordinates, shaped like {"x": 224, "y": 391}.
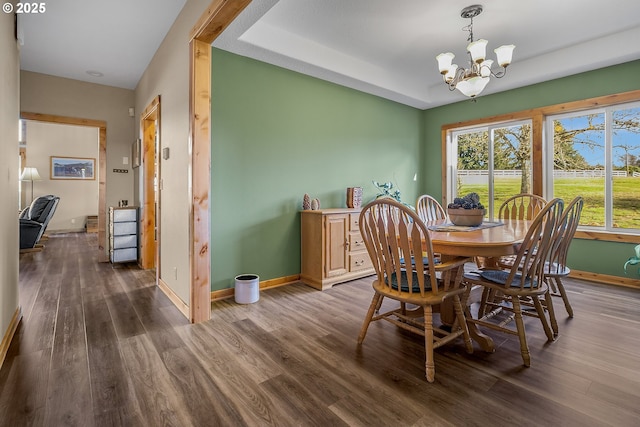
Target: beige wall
{"x": 168, "y": 76}
{"x": 78, "y": 198}
{"x": 41, "y": 93}
{"x": 9, "y": 109}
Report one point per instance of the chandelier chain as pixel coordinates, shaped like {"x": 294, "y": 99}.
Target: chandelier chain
{"x": 469, "y": 28}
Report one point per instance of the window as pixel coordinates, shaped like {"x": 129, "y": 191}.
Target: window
{"x": 596, "y": 154}
{"x": 589, "y": 147}
{"x": 493, "y": 161}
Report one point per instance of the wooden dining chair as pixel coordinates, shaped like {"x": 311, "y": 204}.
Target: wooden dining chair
{"x": 391, "y": 238}
{"x": 429, "y": 209}
{"x": 557, "y": 267}
{"x": 409, "y": 262}
{"x": 525, "y": 280}
{"x": 521, "y": 206}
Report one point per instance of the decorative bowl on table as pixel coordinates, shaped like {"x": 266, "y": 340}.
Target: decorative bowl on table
{"x": 466, "y": 217}
{"x": 467, "y": 210}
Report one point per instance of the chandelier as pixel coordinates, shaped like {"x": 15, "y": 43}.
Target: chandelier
{"x": 473, "y": 80}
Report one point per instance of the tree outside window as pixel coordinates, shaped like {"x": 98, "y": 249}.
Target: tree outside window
{"x": 493, "y": 161}
{"x": 596, "y": 156}
{"x": 593, "y": 153}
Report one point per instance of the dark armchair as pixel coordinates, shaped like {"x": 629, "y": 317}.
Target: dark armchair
{"x": 35, "y": 218}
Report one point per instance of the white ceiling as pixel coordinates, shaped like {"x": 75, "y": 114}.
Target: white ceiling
{"x": 382, "y": 47}
{"x": 117, "y": 38}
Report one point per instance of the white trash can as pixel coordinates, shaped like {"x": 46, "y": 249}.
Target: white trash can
{"x": 247, "y": 289}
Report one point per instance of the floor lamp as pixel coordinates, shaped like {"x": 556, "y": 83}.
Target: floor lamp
{"x": 30, "y": 174}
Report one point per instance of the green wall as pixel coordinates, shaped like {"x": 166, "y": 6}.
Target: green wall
{"x": 585, "y": 255}
{"x": 276, "y": 135}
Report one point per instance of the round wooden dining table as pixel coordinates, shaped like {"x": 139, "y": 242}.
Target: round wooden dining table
{"x": 489, "y": 242}
{"x": 494, "y": 241}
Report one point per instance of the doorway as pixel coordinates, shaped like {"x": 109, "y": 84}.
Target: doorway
{"x": 102, "y": 167}
{"x": 210, "y": 24}
{"x": 150, "y": 171}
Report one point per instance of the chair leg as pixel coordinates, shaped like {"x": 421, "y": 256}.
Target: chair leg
{"x": 379, "y": 304}
{"x": 563, "y": 294}
{"x": 483, "y": 302}
{"x": 524, "y": 348}
{"x": 372, "y": 308}
{"x": 548, "y": 302}
{"x": 430, "y": 366}
{"x": 543, "y": 317}
{"x": 462, "y": 321}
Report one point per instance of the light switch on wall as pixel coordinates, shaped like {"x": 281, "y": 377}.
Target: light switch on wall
{"x": 125, "y": 160}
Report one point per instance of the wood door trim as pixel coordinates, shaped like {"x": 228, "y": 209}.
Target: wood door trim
{"x": 51, "y": 118}
{"x": 102, "y": 167}
{"x": 149, "y": 240}
{"x": 211, "y": 23}
{"x": 216, "y": 18}
{"x": 153, "y": 105}
{"x": 200, "y": 292}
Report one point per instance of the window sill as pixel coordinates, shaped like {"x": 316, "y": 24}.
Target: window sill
{"x": 607, "y": 236}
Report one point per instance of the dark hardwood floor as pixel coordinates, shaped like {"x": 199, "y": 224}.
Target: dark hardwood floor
{"x": 99, "y": 345}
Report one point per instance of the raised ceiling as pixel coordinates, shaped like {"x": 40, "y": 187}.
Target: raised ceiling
{"x": 383, "y": 47}
{"x": 388, "y": 48}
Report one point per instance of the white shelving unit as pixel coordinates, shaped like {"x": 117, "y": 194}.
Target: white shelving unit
{"x": 123, "y": 229}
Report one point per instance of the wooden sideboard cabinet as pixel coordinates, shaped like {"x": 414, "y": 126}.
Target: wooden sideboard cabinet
{"x": 332, "y": 249}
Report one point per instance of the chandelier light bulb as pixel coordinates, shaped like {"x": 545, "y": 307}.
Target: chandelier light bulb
{"x": 473, "y": 86}
{"x": 485, "y": 67}
{"x": 444, "y": 62}
{"x": 504, "y": 54}
{"x": 478, "y": 50}
{"x": 451, "y": 74}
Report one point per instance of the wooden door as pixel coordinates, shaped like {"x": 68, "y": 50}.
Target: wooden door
{"x": 149, "y": 215}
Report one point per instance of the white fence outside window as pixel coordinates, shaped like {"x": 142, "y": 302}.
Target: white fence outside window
{"x": 594, "y": 173}
{"x": 481, "y": 176}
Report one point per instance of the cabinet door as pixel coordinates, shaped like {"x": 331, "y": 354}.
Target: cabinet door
{"x": 336, "y": 245}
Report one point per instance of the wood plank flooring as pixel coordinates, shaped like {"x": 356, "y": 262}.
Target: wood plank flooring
{"x": 100, "y": 345}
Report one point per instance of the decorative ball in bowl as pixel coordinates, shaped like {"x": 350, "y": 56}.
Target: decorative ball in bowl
{"x": 466, "y": 217}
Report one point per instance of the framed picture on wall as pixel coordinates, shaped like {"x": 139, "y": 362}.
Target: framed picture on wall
{"x": 73, "y": 168}
{"x": 135, "y": 153}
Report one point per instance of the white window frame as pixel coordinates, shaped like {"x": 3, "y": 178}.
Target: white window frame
{"x": 452, "y": 157}
{"x": 608, "y": 161}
